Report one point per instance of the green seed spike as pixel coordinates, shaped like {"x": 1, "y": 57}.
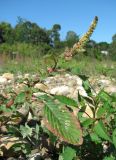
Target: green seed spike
{"x": 79, "y": 46}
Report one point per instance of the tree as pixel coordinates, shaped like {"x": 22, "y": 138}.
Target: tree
{"x": 28, "y": 32}
{"x": 71, "y": 38}
{"x": 6, "y": 33}
{"x": 103, "y": 46}
{"x": 112, "y": 48}
{"x": 114, "y": 38}
{"x": 55, "y": 35}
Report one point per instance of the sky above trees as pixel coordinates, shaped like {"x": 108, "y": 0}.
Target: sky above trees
{"x": 75, "y": 15}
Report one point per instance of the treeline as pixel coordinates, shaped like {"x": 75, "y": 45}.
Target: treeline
{"x": 28, "y": 38}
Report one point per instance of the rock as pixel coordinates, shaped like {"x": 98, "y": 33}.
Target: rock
{"x": 20, "y": 76}
{"x": 41, "y": 86}
{"x": 72, "y": 83}
{"x": 26, "y": 76}
{"x": 104, "y": 82}
{"x": 37, "y": 94}
{"x": 82, "y": 91}
{"x": 8, "y": 76}
{"x": 3, "y": 80}
{"x": 110, "y": 89}
{"x": 79, "y": 81}
{"x": 20, "y": 87}
{"x": 60, "y": 90}
{"x": 48, "y": 80}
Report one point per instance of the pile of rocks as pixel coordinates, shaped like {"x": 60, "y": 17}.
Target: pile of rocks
{"x": 61, "y": 84}
{"x": 67, "y": 85}
{"x": 6, "y": 78}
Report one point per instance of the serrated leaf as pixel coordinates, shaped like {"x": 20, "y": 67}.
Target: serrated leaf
{"x": 68, "y": 154}
{"x": 100, "y": 130}
{"x": 114, "y": 137}
{"x": 62, "y": 123}
{"x": 66, "y": 100}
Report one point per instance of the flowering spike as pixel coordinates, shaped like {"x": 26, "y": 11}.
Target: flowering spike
{"x": 79, "y": 46}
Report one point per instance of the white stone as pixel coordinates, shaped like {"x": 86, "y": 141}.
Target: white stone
{"x": 41, "y": 86}
{"x": 60, "y": 90}
{"x": 104, "y": 82}
{"x": 79, "y": 81}
{"x": 82, "y": 91}
{"x": 19, "y": 76}
{"x": 67, "y": 75}
{"x": 111, "y": 89}
{"x": 3, "y": 80}
{"x": 48, "y": 80}
{"x": 26, "y": 75}
{"x": 37, "y": 94}
{"x": 8, "y": 76}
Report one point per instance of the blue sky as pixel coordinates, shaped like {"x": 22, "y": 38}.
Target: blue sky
{"x": 73, "y": 15}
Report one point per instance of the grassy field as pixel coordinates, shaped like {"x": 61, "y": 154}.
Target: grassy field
{"x": 78, "y": 65}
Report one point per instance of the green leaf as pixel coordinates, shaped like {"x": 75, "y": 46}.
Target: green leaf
{"x": 89, "y": 100}
{"x": 5, "y": 109}
{"x": 20, "y": 98}
{"x": 87, "y": 122}
{"x": 104, "y": 96}
{"x": 100, "y": 130}
{"x": 109, "y": 158}
{"x": 101, "y": 111}
{"x": 114, "y": 137}
{"x": 87, "y": 87}
{"x": 61, "y": 122}
{"x": 68, "y": 154}
{"x": 95, "y": 138}
{"x": 13, "y": 130}
{"x": 113, "y": 97}
{"x": 25, "y": 130}
{"x": 66, "y": 100}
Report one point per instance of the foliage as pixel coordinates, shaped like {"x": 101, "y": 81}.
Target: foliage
{"x": 71, "y": 38}
{"x": 32, "y": 34}
{"x": 6, "y": 33}
{"x": 58, "y": 124}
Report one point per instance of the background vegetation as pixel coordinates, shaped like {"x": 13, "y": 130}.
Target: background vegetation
{"x": 28, "y": 42}
{"x": 28, "y": 38}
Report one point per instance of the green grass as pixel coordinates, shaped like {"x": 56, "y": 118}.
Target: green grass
{"x": 78, "y": 65}
{"x": 90, "y": 66}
